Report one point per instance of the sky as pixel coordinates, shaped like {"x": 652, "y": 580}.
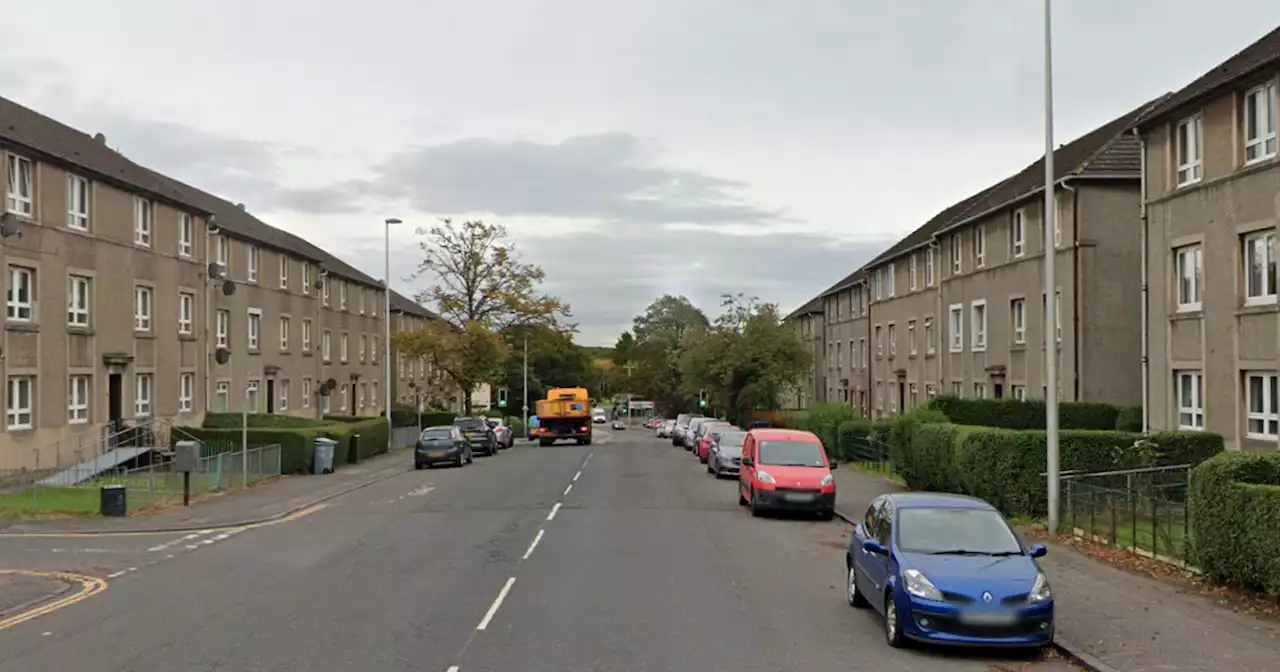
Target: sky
{"x": 631, "y": 149}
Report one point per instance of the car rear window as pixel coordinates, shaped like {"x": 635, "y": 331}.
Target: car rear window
{"x": 436, "y": 433}
{"x": 470, "y": 423}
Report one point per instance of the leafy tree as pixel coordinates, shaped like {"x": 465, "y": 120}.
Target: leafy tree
{"x": 660, "y": 336}
{"x": 554, "y": 361}
{"x": 482, "y": 292}
{"x": 746, "y": 359}
{"x": 624, "y": 349}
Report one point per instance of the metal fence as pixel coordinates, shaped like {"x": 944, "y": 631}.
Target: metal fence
{"x": 870, "y": 454}
{"x": 1143, "y": 510}
{"x": 403, "y": 436}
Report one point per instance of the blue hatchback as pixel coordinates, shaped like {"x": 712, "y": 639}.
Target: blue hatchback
{"x": 948, "y": 569}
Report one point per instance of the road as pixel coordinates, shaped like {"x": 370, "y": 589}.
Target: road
{"x": 623, "y": 555}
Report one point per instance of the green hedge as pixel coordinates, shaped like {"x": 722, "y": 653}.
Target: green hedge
{"x": 823, "y": 420}
{"x": 1235, "y": 526}
{"x": 437, "y": 418}
{"x": 1014, "y": 414}
{"x": 298, "y": 444}
{"x": 259, "y": 421}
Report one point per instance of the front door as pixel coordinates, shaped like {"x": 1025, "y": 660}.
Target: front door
{"x": 902, "y": 397}
{"x": 115, "y": 401}
{"x": 271, "y": 395}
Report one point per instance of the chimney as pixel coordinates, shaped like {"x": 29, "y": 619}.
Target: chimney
{"x": 102, "y": 139}
{"x": 240, "y": 205}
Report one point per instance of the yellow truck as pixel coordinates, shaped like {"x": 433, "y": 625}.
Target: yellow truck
{"x": 564, "y": 415}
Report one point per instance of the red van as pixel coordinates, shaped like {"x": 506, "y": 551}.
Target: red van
{"x": 786, "y": 470}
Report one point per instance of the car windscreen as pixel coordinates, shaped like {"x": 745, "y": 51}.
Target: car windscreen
{"x": 733, "y": 439}
{"x": 437, "y": 434}
{"x": 958, "y": 531}
{"x": 471, "y": 423}
{"x": 791, "y": 454}
{"x": 493, "y": 422}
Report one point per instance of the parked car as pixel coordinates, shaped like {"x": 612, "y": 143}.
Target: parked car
{"x": 664, "y": 429}
{"x": 692, "y": 432}
{"x": 619, "y": 424}
{"x": 479, "y": 434}
{"x": 710, "y": 432}
{"x": 682, "y": 425}
{"x": 725, "y": 455}
{"x": 786, "y": 470}
{"x": 442, "y": 444}
{"x": 506, "y": 437}
{"x": 948, "y": 569}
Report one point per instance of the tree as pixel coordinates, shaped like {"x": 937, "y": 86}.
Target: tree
{"x": 624, "y": 349}
{"x": 482, "y": 292}
{"x": 554, "y": 361}
{"x": 661, "y": 335}
{"x": 746, "y": 358}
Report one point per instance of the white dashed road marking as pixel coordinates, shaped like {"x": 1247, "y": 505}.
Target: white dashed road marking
{"x": 497, "y": 602}
{"x": 421, "y": 491}
{"x": 534, "y": 545}
{"x": 577, "y": 476}
{"x": 567, "y": 489}
{"x": 554, "y": 509}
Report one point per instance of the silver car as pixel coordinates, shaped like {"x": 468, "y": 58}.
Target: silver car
{"x": 725, "y": 456}
{"x": 506, "y": 437}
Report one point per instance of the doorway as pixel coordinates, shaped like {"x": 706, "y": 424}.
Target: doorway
{"x": 271, "y": 395}
{"x": 902, "y": 397}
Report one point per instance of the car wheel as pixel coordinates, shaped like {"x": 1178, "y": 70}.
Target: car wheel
{"x": 826, "y": 514}
{"x": 742, "y": 501}
{"x": 892, "y": 627}
{"x": 417, "y": 465}
{"x": 755, "y": 505}
{"x": 471, "y": 457}
{"x": 855, "y": 596}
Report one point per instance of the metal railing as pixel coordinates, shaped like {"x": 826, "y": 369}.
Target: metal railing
{"x": 1143, "y": 510}
{"x": 869, "y": 454}
{"x": 78, "y": 450}
{"x": 404, "y": 436}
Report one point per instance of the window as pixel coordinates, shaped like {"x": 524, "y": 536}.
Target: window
{"x": 306, "y": 279}
{"x": 324, "y": 283}
{"x": 255, "y": 327}
{"x": 342, "y": 399}
{"x": 1189, "y": 386}
{"x": 866, "y": 352}
{"x": 284, "y": 272}
{"x": 342, "y": 348}
{"x": 21, "y": 189}
{"x": 1020, "y": 392}
{"x": 928, "y": 267}
{"x": 22, "y": 294}
{"x": 77, "y": 202}
{"x": 1018, "y": 233}
{"x": 324, "y": 344}
{"x": 186, "y": 312}
{"x": 342, "y": 295}
{"x": 1262, "y": 405}
{"x": 911, "y": 337}
{"x": 223, "y": 252}
{"x": 142, "y": 213}
{"x": 223, "y": 328}
{"x": 361, "y": 393}
{"x": 979, "y": 321}
{"x": 284, "y": 333}
{"x": 251, "y": 396}
{"x": 142, "y": 389}
{"x": 890, "y": 275}
{"x": 141, "y": 308}
{"x": 18, "y": 414}
{"x": 1018, "y": 317}
{"x": 879, "y": 343}
{"x": 956, "y": 327}
{"x": 223, "y": 393}
{"x": 1057, "y": 314}
{"x": 957, "y": 246}
{"x": 1059, "y": 215}
{"x": 306, "y": 335}
{"x": 876, "y": 285}
{"x": 326, "y": 403}
{"x": 1260, "y": 123}
{"x": 980, "y": 246}
{"x": 911, "y": 272}
{"x": 1259, "y": 268}
{"x": 893, "y": 341}
{"x": 77, "y": 400}
{"x": 930, "y": 390}
{"x": 1189, "y": 150}
{"x": 77, "y": 301}
{"x": 928, "y": 336}
{"x": 186, "y": 234}
{"x": 879, "y": 395}
{"x": 307, "y": 390}
{"x": 186, "y": 391}
{"x": 957, "y": 389}
{"x": 979, "y": 390}
{"x": 284, "y": 395}
{"x": 1188, "y": 265}
{"x": 255, "y": 257}
{"x": 360, "y": 292}
{"x": 373, "y": 394}
{"x": 364, "y": 343}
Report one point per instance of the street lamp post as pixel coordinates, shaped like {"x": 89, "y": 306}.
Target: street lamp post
{"x": 1050, "y": 283}
{"x": 386, "y": 324}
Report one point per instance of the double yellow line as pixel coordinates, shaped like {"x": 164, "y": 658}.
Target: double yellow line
{"x": 89, "y": 586}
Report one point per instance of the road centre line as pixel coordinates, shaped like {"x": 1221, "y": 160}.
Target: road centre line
{"x": 577, "y": 476}
{"x": 497, "y": 602}
{"x": 554, "y": 509}
{"x": 567, "y": 489}
{"x": 534, "y": 545}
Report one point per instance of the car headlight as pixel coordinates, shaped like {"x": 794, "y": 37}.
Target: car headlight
{"x": 765, "y": 477}
{"x": 828, "y": 480}
{"x": 920, "y": 586}
{"x": 1040, "y": 592}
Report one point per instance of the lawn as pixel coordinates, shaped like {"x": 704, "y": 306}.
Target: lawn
{"x": 143, "y": 491}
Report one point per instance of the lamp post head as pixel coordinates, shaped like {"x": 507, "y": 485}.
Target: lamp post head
{"x": 393, "y": 220}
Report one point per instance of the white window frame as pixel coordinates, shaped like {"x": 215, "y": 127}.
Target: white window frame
{"x": 308, "y": 389}
{"x": 186, "y": 313}
{"x": 364, "y": 346}
{"x": 21, "y": 189}
{"x": 343, "y": 400}
{"x": 1018, "y": 233}
{"x": 77, "y": 202}
{"x": 879, "y": 341}
{"x": 928, "y": 267}
{"x": 911, "y": 338}
{"x": 143, "y": 218}
{"x": 930, "y": 390}
{"x": 1018, "y": 319}
{"x": 1189, "y": 170}
{"x": 186, "y": 391}
{"x": 284, "y": 332}
{"x": 342, "y": 296}
{"x": 979, "y": 390}
{"x": 324, "y": 288}
{"x": 254, "y": 259}
{"x": 222, "y": 328}
{"x": 1264, "y": 292}
{"x": 79, "y": 300}
{"x": 253, "y": 328}
{"x": 222, "y": 252}
{"x": 326, "y": 404}
{"x": 284, "y": 272}
{"x": 186, "y": 235}
{"x": 929, "y": 348}
{"x": 20, "y": 309}
{"x": 892, "y": 275}
{"x": 283, "y": 384}
{"x": 17, "y": 414}
{"x": 360, "y": 293}
{"x": 343, "y": 342}
{"x": 1059, "y": 201}
{"x": 957, "y": 254}
{"x": 373, "y": 394}
{"x": 326, "y": 341}
{"x": 911, "y": 272}
{"x": 955, "y": 326}
{"x": 1260, "y": 143}
{"x": 222, "y": 392}
{"x": 252, "y": 392}
{"x": 980, "y": 246}
{"x": 1019, "y": 392}
{"x": 1268, "y": 416}
{"x": 893, "y": 340}
{"x": 978, "y": 320}
{"x": 143, "y": 307}
{"x": 1189, "y": 278}
{"x": 79, "y": 391}
{"x": 306, "y": 279}
{"x": 864, "y": 351}
{"x": 1188, "y": 389}
{"x": 143, "y": 394}
{"x": 306, "y": 335}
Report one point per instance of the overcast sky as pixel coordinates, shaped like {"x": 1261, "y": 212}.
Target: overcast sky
{"x": 632, "y": 148}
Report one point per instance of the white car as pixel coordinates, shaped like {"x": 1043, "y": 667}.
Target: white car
{"x": 619, "y": 424}
{"x": 598, "y": 416}
{"x": 664, "y": 429}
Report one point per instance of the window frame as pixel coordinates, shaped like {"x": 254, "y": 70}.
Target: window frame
{"x": 253, "y": 329}
{"x": 144, "y": 302}
{"x": 1268, "y": 418}
{"x": 78, "y": 399}
{"x": 978, "y": 328}
{"x": 1194, "y": 168}
{"x": 143, "y": 221}
{"x": 78, "y": 191}
{"x": 1018, "y": 233}
{"x": 284, "y": 271}
{"x": 186, "y": 393}
{"x": 1195, "y": 410}
{"x": 928, "y": 267}
{"x": 1018, "y": 320}
{"x": 186, "y": 313}
{"x": 957, "y": 253}
{"x": 79, "y": 287}
{"x": 1268, "y": 271}
{"x": 253, "y": 262}
{"x": 143, "y": 404}
{"x": 1264, "y": 96}
{"x": 285, "y": 329}
{"x": 222, "y": 328}
{"x": 929, "y": 348}
{"x": 18, "y": 309}
{"x": 14, "y": 414}
{"x": 955, "y": 327}
{"x": 14, "y": 200}
{"x": 1192, "y": 299}
{"x": 980, "y": 246}
{"x": 186, "y": 235}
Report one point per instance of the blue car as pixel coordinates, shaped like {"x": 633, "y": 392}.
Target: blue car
{"x": 948, "y": 569}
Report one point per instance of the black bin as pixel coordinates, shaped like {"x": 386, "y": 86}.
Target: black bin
{"x": 113, "y": 503}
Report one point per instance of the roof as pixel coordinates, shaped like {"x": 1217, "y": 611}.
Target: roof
{"x": 1261, "y": 54}
{"x": 781, "y": 433}
{"x": 55, "y": 141}
{"x": 403, "y": 304}
{"x": 810, "y": 307}
{"x": 846, "y": 282}
{"x": 912, "y": 500}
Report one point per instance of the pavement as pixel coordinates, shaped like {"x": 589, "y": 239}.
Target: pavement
{"x": 622, "y": 555}
{"x": 1111, "y": 619}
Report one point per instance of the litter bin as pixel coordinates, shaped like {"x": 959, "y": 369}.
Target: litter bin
{"x": 323, "y": 463}
{"x": 113, "y": 502}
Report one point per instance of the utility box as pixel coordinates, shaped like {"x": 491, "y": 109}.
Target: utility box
{"x": 186, "y": 454}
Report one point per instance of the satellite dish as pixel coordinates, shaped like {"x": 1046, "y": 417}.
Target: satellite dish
{"x": 228, "y": 288}
{"x": 216, "y": 270}
{"x": 331, "y": 383}
{"x": 322, "y": 390}
{"x": 412, "y": 384}
{"x": 319, "y": 284}
{"x": 10, "y": 225}
{"x": 222, "y": 355}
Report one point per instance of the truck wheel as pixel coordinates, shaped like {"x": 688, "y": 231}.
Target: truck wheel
{"x": 544, "y": 442}
{"x": 587, "y": 442}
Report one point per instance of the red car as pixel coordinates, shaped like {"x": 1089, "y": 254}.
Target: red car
{"x": 786, "y": 470}
{"x": 703, "y": 447}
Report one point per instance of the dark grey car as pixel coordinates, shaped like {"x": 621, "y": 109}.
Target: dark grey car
{"x": 441, "y": 445}
{"x": 725, "y": 456}
{"x": 479, "y": 434}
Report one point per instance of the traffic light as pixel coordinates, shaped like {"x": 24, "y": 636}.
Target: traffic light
{"x": 702, "y": 398}
{"x": 502, "y": 398}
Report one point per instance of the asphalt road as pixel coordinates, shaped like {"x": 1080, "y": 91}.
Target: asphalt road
{"x": 623, "y": 555}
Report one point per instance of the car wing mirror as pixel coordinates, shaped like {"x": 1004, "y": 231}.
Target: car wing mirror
{"x": 748, "y": 461}
{"x": 873, "y": 546}
{"x": 1038, "y": 551}
{"x": 832, "y": 465}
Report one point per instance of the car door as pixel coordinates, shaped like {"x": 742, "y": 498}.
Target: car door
{"x": 876, "y": 566}
{"x": 747, "y": 470}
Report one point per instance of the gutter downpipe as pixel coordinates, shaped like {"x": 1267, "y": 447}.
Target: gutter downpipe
{"x": 935, "y": 249}
{"x": 1146, "y": 293}
{"x": 1065, "y": 183}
